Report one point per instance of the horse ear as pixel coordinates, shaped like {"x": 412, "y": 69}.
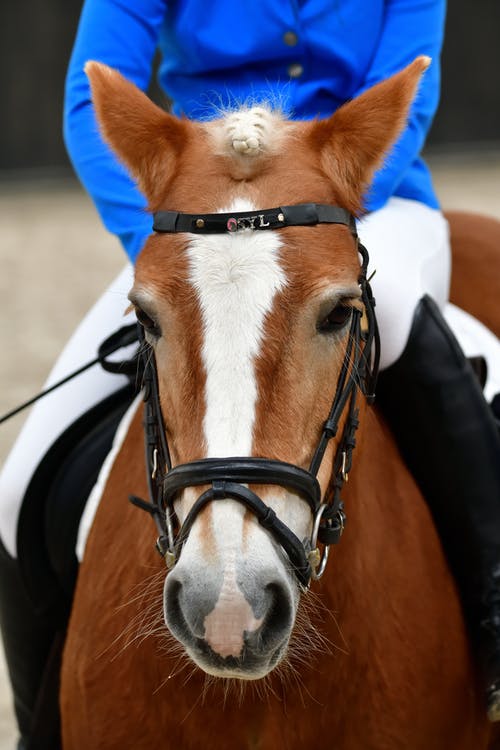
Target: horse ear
{"x": 354, "y": 141}
{"x": 146, "y": 138}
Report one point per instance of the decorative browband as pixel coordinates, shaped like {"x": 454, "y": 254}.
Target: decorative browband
{"x": 304, "y": 214}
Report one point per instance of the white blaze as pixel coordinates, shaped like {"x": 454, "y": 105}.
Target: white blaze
{"x": 232, "y": 616}
{"x": 236, "y": 276}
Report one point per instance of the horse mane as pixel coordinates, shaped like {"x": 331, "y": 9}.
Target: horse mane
{"x": 249, "y": 132}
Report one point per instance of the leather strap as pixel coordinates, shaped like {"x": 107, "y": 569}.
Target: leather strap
{"x": 118, "y": 340}
{"x": 245, "y": 471}
{"x": 266, "y": 516}
{"x": 305, "y": 214}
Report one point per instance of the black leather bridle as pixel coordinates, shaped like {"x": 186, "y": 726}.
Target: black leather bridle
{"x": 229, "y": 477}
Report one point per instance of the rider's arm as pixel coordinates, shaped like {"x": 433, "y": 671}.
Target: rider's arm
{"x": 411, "y": 28}
{"x": 123, "y": 34}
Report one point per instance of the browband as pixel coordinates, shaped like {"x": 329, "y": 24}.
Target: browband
{"x": 303, "y": 214}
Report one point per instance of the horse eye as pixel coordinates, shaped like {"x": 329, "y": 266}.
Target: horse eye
{"x": 149, "y": 325}
{"x": 336, "y": 319}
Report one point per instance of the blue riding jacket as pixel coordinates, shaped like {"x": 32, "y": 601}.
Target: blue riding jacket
{"x": 309, "y": 56}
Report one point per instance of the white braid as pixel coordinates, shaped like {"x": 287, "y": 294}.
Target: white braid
{"x": 248, "y": 132}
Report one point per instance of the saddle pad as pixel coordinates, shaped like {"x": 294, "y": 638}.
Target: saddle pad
{"x": 55, "y": 499}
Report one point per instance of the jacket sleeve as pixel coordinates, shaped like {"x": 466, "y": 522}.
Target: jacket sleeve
{"x": 411, "y": 28}
{"x": 124, "y": 35}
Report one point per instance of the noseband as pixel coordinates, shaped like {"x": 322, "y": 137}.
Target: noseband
{"x": 229, "y": 477}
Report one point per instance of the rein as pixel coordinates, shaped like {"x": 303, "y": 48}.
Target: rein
{"x": 119, "y": 340}
{"x": 229, "y": 477}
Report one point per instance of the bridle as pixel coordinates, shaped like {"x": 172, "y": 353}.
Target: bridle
{"x": 230, "y": 477}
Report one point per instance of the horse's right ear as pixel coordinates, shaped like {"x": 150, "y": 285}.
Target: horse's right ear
{"x": 354, "y": 141}
{"x": 146, "y": 138}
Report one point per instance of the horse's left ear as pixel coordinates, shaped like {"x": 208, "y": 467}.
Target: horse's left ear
{"x": 146, "y": 138}
{"x": 354, "y": 141}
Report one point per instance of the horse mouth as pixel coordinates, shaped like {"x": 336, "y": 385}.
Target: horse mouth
{"x": 245, "y": 640}
{"x": 248, "y": 666}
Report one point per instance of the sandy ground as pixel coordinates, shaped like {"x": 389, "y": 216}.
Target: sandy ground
{"x": 56, "y": 259}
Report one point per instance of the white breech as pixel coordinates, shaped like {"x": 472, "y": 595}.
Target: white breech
{"x": 409, "y": 249}
{"x": 57, "y": 411}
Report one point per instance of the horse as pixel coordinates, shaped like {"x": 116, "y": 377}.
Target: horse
{"x": 250, "y": 344}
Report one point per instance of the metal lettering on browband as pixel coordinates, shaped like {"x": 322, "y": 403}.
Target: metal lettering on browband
{"x": 234, "y": 224}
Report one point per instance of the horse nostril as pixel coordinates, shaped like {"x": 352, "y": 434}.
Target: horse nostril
{"x": 174, "y": 618}
{"x": 278, "y": 616}
{"x": 280, "y": 611}
{"x": 186, "y": 604}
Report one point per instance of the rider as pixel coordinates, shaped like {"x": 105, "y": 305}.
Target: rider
{"x": 308, "y": 58}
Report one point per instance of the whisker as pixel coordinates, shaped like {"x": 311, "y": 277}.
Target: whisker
{"x": 185, "y": 663}
{"x": 195, "y": 704}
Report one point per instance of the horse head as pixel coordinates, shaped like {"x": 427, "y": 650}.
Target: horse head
{"x": 249, "y": 331}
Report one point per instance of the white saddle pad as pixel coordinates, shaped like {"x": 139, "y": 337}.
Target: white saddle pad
{"x": 476, "y": 340}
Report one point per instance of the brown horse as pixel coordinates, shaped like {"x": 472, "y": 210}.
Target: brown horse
{"x": 375, "y": 656}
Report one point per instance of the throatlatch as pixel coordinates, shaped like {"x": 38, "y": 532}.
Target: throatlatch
{"x": 229, "y": 477}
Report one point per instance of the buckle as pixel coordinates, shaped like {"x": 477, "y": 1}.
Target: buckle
{"x": 317, "y": 559}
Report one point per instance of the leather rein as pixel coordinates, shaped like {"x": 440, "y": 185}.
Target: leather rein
{"x": 230, "y": 477}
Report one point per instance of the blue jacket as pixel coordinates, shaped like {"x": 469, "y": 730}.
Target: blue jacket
{"x": 309, "y": 56}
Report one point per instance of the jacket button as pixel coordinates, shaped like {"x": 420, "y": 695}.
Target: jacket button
{"x": 290, "y": 38}
{"x": 295, "y": 70}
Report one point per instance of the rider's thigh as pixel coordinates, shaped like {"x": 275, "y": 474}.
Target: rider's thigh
{"x": 409, "y": 249}
{"x": 57, "y": 411}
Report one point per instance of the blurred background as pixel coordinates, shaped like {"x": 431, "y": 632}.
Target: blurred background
{"x": 55, "y": 256}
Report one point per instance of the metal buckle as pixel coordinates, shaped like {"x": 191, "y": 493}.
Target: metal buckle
{"x": 170, "y": 555}
{"x": 344, "y": 474}
{"x": 155, "y": 464}
{"x": 317, "y": 560}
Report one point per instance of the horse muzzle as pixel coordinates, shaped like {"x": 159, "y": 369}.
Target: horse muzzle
{"x": 234, "y": 622}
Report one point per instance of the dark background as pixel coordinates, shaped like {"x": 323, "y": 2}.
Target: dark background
{"x": 36, "y": 39}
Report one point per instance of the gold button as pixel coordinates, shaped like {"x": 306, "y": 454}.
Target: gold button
{"x": 200, "y": 223}
{"x": 290, "y": 38}
{"x": 295, "y": 70}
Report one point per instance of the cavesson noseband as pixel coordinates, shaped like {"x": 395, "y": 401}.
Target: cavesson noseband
{"x": 229, "y": 477}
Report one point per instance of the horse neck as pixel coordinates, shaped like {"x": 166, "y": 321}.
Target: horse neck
{"x": 387, "y": 521}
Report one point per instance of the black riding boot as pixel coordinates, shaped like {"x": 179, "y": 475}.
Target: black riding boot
{"x": 29, "y": 640}
{"x": 450, "y": 441}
